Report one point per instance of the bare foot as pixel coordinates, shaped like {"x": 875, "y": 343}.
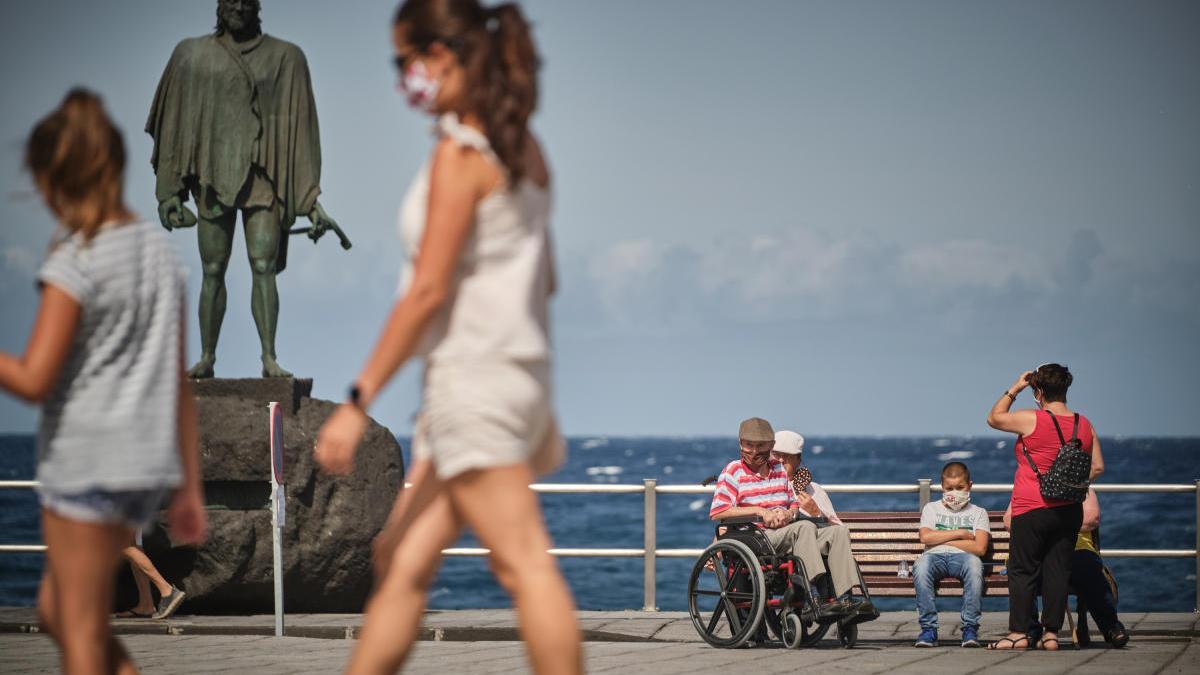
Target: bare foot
{"x": 203, "y": 368}
{"x": 272, "y": 369}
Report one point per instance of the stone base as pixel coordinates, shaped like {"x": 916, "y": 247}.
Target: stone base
{"x": 330, "y": 521}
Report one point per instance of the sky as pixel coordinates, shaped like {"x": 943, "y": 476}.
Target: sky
{"x": 851, "y": 218}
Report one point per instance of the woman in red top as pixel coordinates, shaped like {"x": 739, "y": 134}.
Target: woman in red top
{"x": 1043, "y": 530}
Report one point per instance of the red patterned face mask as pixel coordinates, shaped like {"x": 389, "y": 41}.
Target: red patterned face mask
{"x": 802, "y": 479}
{"x": 420, "y": 87}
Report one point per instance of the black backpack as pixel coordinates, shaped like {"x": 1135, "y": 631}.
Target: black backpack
{"x": 1067, "y": 478}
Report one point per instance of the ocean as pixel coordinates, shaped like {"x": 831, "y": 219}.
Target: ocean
{"x": 615, "y": 520}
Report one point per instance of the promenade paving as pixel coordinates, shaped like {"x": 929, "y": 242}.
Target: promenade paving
{"x": 483, "y": 641}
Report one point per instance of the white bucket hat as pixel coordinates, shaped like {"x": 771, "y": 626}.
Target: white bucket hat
{"x": 789, "y": 443}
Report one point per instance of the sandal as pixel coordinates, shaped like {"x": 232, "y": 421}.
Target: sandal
{"x": 1012, "y": 644}
{"x": 130, "y": 614}
{"x": 1117, "y": 638}
{"x": 1041, "y": 644}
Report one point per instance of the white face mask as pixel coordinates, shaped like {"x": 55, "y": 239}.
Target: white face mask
{"x": 955, "y": 500}
{"x": 420, "y": 87}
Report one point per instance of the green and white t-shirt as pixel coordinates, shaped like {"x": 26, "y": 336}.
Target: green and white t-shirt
{"x": 936, "y": 516}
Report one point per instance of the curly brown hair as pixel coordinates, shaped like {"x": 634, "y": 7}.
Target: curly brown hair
{"x": 1052, "y": 381}
{"x": 496, "y": 48}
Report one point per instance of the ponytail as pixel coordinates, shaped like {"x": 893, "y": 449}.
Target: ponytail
{"x": 77, "y": 159}
{"x": 496, "y": 49}
{"x": 508, "y": 90}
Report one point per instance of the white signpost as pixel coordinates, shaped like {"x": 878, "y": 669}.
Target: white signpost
{"x": 278, "y": 509}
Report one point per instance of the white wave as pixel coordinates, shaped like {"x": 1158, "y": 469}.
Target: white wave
{"x": 651, "y": 461}
{"x": 604, "y": 471}
{"x": 668, "y": 469}
{"x": 593, "y": 443}
{"x": 941, "y": 443}
{"x": 1000, "y": 444}
{"x": 629, "y": 452}
{"x": 818, "y": 449}
{"x": 696, "y": 504}
{"x": 956, "y": 454}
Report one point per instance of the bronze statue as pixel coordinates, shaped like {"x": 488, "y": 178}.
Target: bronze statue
{"x": 235, "y": 125}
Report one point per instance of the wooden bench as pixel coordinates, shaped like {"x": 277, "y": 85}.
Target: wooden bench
{"x": 881, "y": 540}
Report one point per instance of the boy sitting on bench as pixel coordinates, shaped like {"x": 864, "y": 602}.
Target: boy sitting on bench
{"x": 955, "y": 533}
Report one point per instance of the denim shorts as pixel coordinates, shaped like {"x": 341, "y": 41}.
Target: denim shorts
{"x": 133, "y": 508}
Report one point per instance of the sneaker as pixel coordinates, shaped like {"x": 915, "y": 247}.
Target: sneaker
{"x": 970, "y": 637}
{"x": 927, "y": 638}
{"x": 168, "y": 603}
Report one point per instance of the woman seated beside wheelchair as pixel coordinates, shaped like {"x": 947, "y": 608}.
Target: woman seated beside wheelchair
{"x": 768, "y": 482}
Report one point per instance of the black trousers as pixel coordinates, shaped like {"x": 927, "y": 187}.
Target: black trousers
{"x": 1039, "y": 557}
{"x": 1090, "y": 584}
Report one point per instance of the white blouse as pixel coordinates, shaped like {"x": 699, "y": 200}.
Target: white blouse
{"x": 499, "y": 301}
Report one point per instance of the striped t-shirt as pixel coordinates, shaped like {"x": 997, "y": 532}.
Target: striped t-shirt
{"x": 739, "y": 485}
{"x": 110, "y": 423}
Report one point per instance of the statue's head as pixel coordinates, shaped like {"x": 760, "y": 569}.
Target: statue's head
{"x": 238, "y": 17}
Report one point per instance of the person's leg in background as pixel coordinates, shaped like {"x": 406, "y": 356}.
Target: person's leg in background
{"x": 1091, "y": 584}
{"x": 834, "y": 543}
{"x": 144, "y": 573}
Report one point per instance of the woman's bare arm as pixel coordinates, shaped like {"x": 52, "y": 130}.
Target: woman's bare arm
{"x": 1019, "y": 422}
{"x": 1097, "y": 457}
{"x": 32, "y": 375}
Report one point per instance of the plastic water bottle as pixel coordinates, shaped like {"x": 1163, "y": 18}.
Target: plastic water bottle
{"x": 902, "y": 571}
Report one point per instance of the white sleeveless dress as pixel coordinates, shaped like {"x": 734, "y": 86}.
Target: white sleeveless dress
{"x": 486, "y": 396}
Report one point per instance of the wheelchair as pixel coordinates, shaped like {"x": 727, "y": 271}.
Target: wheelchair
{"x": 740, "y": 589}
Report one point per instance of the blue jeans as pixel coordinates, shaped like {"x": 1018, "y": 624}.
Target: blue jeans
{"x": 965, "y": 567}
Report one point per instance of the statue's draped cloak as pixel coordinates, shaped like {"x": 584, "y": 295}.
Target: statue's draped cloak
{"x": 225, "y": 112}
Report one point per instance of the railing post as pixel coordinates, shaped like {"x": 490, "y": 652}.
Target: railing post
{"x": 924, "y": 493}
{"x": 649, "y": 543}
{"x": 1197, "y": 607}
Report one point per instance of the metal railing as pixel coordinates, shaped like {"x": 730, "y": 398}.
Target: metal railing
{"x": 650, "y": 489}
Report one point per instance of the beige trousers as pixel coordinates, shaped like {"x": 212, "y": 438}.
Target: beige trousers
{"x": 808, "y": 543}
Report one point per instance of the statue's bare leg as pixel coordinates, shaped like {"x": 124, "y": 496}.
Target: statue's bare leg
{"x": 262, "y": 244}
{"x": 215, "y": 237}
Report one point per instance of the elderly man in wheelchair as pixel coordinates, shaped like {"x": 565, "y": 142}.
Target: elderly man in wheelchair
{"x": 772, "y": 565}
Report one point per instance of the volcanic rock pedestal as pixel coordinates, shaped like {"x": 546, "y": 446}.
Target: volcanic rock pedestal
{"x": 330, "y": 521}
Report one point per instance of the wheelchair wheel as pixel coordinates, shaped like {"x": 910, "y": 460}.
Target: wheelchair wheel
{"x": 792, "y": 629}
{"x": 848, "y": 634}
{"x": 727, "y": 595}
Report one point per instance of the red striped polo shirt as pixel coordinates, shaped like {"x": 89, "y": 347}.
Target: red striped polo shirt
{"x": 739, "y": 485}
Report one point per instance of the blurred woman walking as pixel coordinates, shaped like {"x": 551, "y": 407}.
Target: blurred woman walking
{"x": 474, "y": 307}
{"x": 105, "y": 360}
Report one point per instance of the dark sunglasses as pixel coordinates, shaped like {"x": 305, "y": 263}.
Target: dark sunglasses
{"x": 400, "y": 59}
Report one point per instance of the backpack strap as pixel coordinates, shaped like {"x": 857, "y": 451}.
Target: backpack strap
{"x": 1025, "y": 449}
{"x": 1075, "y": 429}
{"x": 1054, "y": 418}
